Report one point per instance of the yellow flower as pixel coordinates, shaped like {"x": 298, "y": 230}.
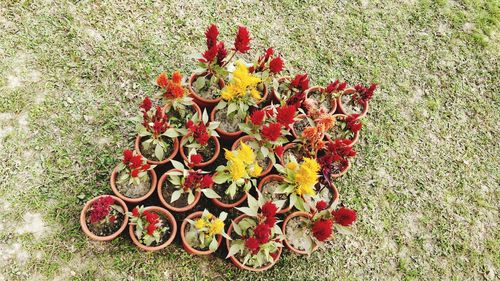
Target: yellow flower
{"x": 209, "y": 216}
{"x": 305, "y": 190}
{"x": 292, "y": 166}
{"x": 199, "y": 223}
{"x": 237, "y": 169}
{"x": 257, "y": 170}
{"x": 245, "y": 153}
{"x": 307, "y": 177}
{"x": 311, "y": 164}
{"x": 229, "y": 92}
{"x": 241, "y": 82}
{"x": 229, "y": 155}
{"x": 216, "y": 227}
{"x": 255, "y": 94}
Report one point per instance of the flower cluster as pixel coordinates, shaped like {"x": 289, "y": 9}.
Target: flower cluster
{"x": 172, "y": 88}
{"x": 154, "y": 121}
{"x": 336, "y": 151}
{"x": 133, "y": 168}
{"x": 363, "y": 94}
{"x": 100, "y": 210}
{"x": 242, "y": 86}
{"x": 204, "y": 230}
{"x": 149, "y": 227}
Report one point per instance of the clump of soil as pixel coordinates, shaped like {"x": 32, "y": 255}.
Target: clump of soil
{"x": 300, "y": 125}
{"x": 133, "y": 191}
{"x": 208, "y": 91}
{"x": 298, "y": 232}
{"x": 150, "y": 152}
{"x": 167, "y": 190}
{"x": 351, "y": 107}
{"x": 228, "y": 124}
{"x": 226, "y": 198}
{"x": 207, "y": 150}
{"x": 268, "y": 192}
{"x": 105, "y": 229}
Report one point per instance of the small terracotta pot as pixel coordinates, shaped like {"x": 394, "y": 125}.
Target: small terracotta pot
{"x": 240, "y": 264}
{"x": 83, "y": 222}
{"x": 249, "y": 138}
{"x": 354, "y": 139}
{"x": 203, "y": 102}
{"x": 288, "y": 244}
{"x": 152, "y": 162}
{"x": 333, "y": 102}
{"x": 340, "y": 107}
{"x": 292, "y": 129}
{"x": 274, "y": 178}
{"x": 227, "y": 136}
{"x": 343, "y": 171}
{"x": 186, "y": 245}
{"x": 173, "y": 230}
{"x": 274, "y": 96}
{"x": 112, "y": 181}
{"x": 167, "y": 205}
{"x": 202, "y": 164}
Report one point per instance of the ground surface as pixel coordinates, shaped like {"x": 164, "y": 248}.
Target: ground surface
{"x": 425, "y": 184}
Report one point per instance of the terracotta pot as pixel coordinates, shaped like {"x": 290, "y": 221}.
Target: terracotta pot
{"x": 292, "y": 129}
{"x": 285, "y": 148}
{"x": 133, "y": 200}
{"x": 173, "y": 230}
{"x": 335, "y": 197}
{"x": 249, "y": 138}
{"x": 227, "y": 136}
{"x": 202, "y": 164}
{"x": 273, "y": 178}
{"x": 340, "y": 107}
{"x": 288, "y": 244}
{"x": 167, "y": 205}
{"x": 343, "y": 171}
{"x": 152, "y": 162}
{"x": 203, "y": 102}
{"x": 186, "y": 245}
{"x": 354, "y": 139}
{"x": 333, "y": 102}
{"x": 240, "y": 264}
{"x": 223, "y": 205}
{"x": 83, "y": 223}
{"x": 274, "y": 96}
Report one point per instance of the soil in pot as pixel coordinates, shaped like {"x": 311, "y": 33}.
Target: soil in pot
{"x": 300, "y": 125}
{"x": 133, "y": 191}
{"x": 268, "y": 191}
{"x": 349, "y": 106}
{"x": 192, "y": 238}
{"x": 227, "y": 124}
{"x": 226, "y": 198}
{"x": 298, "y": 232}
{"x": 207, "y": 150}
{"x": 104, "y": 229}
{"x": 339, "y": 131}
{"x": 150, "y": 152}
{"x": 166, "y": 192}
{"x": 209, "y": 91}
{"x": 296, "y": 151}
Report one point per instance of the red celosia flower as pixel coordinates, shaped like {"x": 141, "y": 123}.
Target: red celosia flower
{"x": 134, "y": 173}
{"x": 257, "y": 117}
{"x": 207, "y": 181}
{"x": 112, "y": 219}
{"x": 242, "y": 41}
{"x": 152, "y": 218}
{"x": 196, "y": 159}
{"x": 135, "y": 212}
{"x": 297, "y": 99}
{"x": 322, "y": 229}
{"x": 210, "y": 54}
{"x": 269, "y": 53}
{"x": 162, "y": 80}
{"x": 344, "y": 216}
{"x": 353, "y": 123}
{"x": 221, "y": 53}
{"x": 279, "y": 151}
{"x": 272, "y": 131}
{"x": 151, "y": 228}
{"x": 321, "y": 205}
{"x": 100, "y": 209}
{"x": 274, "y": 255}
{"x": 336, "y": 86}
{"x": 189, "y": 124}
{"x": 211, "y": 34}
{"x": 200, "y": 133}
{"x": 127, "y": 155}
{"x": 285, "y": 115}
{"x": 269, "y": 209}
{"x": 276, "y": 65}
{"x": 270, "y": 221}
{"x": 135, "y": 162}
{"x": 252, "y": 244}
{"x": 262, "y": 232}
{"x": 365, "y": 94}
{"x": 301, "y": 81}
{"x": 146, "y": 104}
{"x": 177, "y": 77}
{"x": 145, "y": 167}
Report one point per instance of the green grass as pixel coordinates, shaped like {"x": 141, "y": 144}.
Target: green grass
{"x": 425, "y": 183}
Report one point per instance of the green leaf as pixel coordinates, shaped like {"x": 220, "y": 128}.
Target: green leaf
{"x": 343, "y": 229}
{"x": 175, "y": 195}
{"x": 159, "y": 152}
{"x": 190, "y": 197}
{"x": 210, "y": 193}
{"x": 248, "y": 211}
{"x": 220, "y": 178}
{"x": 264, "y": 151}
{"x": 222, "y": 216}
{"x": 204, "y": 116}
{"x": 235, "y": 248}
{"x": 171, "y": 133}
{"x": 231, "y": 108}
{"x": 252, "y": 202}
{"x": 178, "y": 165}
{"x": 237, "y": 228}
{"x": 213, "y": 245}
{"x": 199, "y": 83}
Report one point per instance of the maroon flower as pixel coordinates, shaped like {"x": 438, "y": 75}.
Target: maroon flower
{"x": 207, "y": 181}
{"x": 364, "y": 94}
{"x": 252, "y": 244}
{"x": 242, "y": 41}
{"x": 353, "y": 123}
{"x": 262, "y": 232}
{"x": 100, "y": 209}
{"x": 257, "y": 117}
{"x": 210, "y": 54}
{"x": 211, "y": 34}
{"x": 301, "y": 81}
{"x": 146, "y": 104}
{"x": 269, "y": 209}
{"x": 322, "y": 229}
{"x": 276, "y": 65}
{"x": 336, "y": 86}
{"x": 344, "y": 216}
{"x": 321, "y": 205}
{"x": 270, "y": 221}
{"x": 279, "y": 151}
{"x": 285, "y": 115}
{"x": 195, "y": 159}
{"x": 221, "y": 53}
{"x": 272, "y": 131}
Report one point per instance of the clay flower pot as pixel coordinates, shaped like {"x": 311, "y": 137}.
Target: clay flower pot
{"x": 333, "y": 102}
{"x": 285, "y": 222}
{"x": 244, "y": 139}
{"x": 152, "y": 162}
{"x": 223, "y": 205}
{"x": 172, "y": 229}
{"x": 112, "y": 181}
{"x": 335, "y": 197}
{"x": 341, "y": 173}
{"x": 163, "y": 179}
{"x": 292, "y": 128}
{"x": 186, "y": 245}
{"x": 240, "y": 264}
{"x": 340, "y": 107}
{"x": 273, "y": 178}
{"x": 274, "y": 96}
{"x": 285, "y": 148}
{"x": 206, "y": 163}
{"x": 203, "y": 102}
{"x": 83, "y": 223}
{"x": 227, "y": 136}
{"x": 354, "y": 139}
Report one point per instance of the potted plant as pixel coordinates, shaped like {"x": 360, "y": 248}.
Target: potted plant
{"x": 255, "y": 243}
{"x": 152, "y": 228}
{"x": 133, "y": 180}
{"x": 294, "y": 149}
{"x": 355, "y": 100}
{"x": 334, "y": 158}
{"x": 267, "y": 67}
{"x": 345, "y": 127}
{"x": 103, "y": 218}
{"x": 202, "y": 232}
{"x": 305, "y": 232}
{"x": 238, "y": 96}
{"x": 178, "y": 105}
{"x": 200, "y": 136}
{"x": 234, "y": 180}
{"x": 268, "y": 185}
{"x": 323, "y": 99}
{"x": 312, "y": 138}
{"x": 183, "y": 189}
{"x": 157, "y": 140}
{"x": 291, "y": 91}
{"x": 206, "y": 83}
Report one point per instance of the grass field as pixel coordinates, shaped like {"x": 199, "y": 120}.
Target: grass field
{"x": 425, "y": 184}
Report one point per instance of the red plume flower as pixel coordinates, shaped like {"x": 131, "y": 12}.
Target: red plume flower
{"x": 127, "y": 155}
{"x": 262, "y": 232}
{"x": 206, "y": 181}
{"x": 276, "y": 65}
{"x": 353, "y": 123}
{"x": 151, "y": 228}
{"x": 257, "y": 117}
{"x": 210, "y": 54}
{"x": 344, "y": 216}
{"x": 221, "y": 53}
{"x": 272, "y": 131}
{"x": 242, "y": 41}
{"x": 321, "y": 205}
{"x": 285, "y": 115}
{"x": 336, "y": 86}
{"x": 146, "y": 104}
{"x": 252, "y": 244}
{"x": 211, "y": 34}
{"x": 279, "y": 151}
{"x": 135, "y": 212}
{"x": 301, "y": 81}
{"x": 269, "y": 209}
{"x": 322, "y": 229}
{"x": 196, "y": 159}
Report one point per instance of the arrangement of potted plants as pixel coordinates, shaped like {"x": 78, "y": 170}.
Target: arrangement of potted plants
{"x": 289, "y": 148}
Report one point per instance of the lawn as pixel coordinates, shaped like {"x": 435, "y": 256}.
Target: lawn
{"x": 425, "y": 183}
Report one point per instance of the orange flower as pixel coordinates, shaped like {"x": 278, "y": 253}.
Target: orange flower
{"x": 162, "y": 80}
{"x": 310, "y": 133}
{"x": 326, "y": 121}
{"x": 177, "y": 77}
{"x": 176, "y": 90}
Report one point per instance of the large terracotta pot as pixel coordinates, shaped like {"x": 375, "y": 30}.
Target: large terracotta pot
{"x": 203, "y": 102}
{"x": 83, "y": 222}
{"x": 240, "y": 264}
{"x": 340, "y": 107}
{"x": 163, "y": 179}
{"x": 152, "y": 162}
{"x": 273, "y": 178}
{"x": 202, "y": 164}
{"x": 244, "y": 139}
{"x": 333, "y": 103}
{"x": 173, "y": 230}
{"x": 186, "y": 245}
{"x": 112, "y": 181}
{"x": 285, "y": 222}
